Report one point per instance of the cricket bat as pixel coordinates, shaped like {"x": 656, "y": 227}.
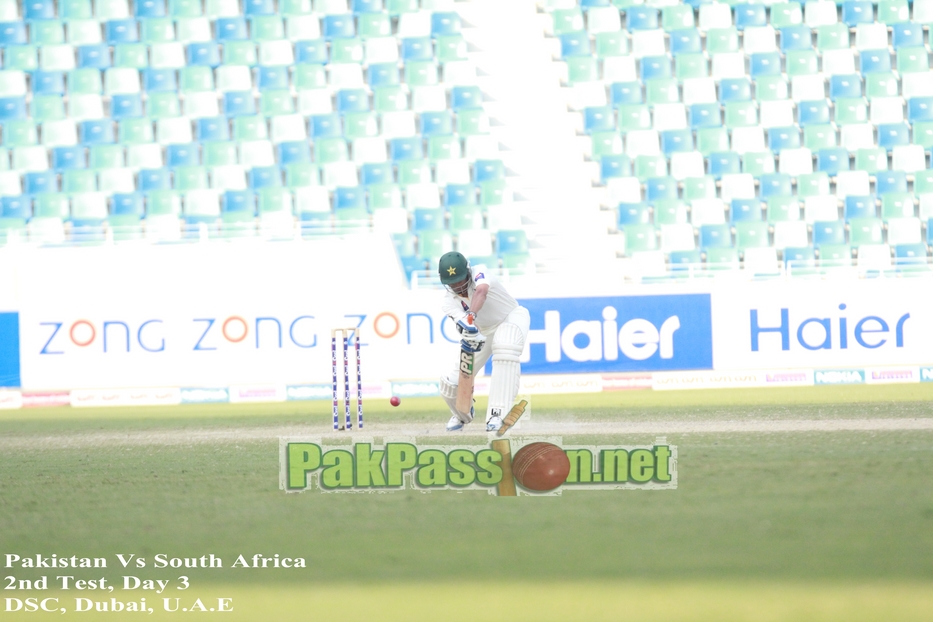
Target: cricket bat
{"x": 465, "y": 384}
{"x": 506, "y": 486}
{"x": 512, "y": 418}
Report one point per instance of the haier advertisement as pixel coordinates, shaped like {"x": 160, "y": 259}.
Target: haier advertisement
{"x": 818, "y": 325}
{"x": 621, "y": 334}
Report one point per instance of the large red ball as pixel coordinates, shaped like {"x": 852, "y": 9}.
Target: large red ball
{"x": 540, "y": 466}
{"x": 395, "y": 401}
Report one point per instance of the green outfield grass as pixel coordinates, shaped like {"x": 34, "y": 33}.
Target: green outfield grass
{"x": 763, "y": 526}
{"x": 547, "y": 601}
{"x": 890, "y": 400}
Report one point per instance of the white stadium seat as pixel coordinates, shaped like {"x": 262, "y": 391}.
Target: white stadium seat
{"x": 820, "y": 13}
{"x": 648, "y": 43}
{"x": 670, "y": 117}
{"x": 886, "y": 110}
{"x": 707, "y": 212}
{"x": 748, "y": 139}
{"x": 699, "y": 91}
{"x": 619, "y": 69}
{"x": 796, "y": 161}
{"x": 678, "y": 237}
{"x": 818, "y": 208}
{"x": 603, "y": 19}
{"x": 759, "y": 39}
{"x": 714, "y": 15}
{"x": 737, "y": 186}
{"x": 873, "y": 257}
{"x": 908, "y": 158}
{"x": 790, "y": 234}
{"x": 312, "y": 199}
{"x": 30, "y": 158}
{"x": 228, "y": 177}
{"x": 475, "y": 242}
{"x": 857, "y": 136}
{"x": 852, "y": 183}
{"x": 390, "y": 220}
{"x": 904, "y": 231}
{"x": 686, "y": 164}
{"x": 871, "y": 36}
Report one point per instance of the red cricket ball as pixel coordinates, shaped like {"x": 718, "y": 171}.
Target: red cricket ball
{"x": 395, "y": 401}
{"x": 540, "y": 466}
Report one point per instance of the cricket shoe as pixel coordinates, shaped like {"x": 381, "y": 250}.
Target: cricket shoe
{"x": 456, "y": 423}
{"x": 493, "y": 423}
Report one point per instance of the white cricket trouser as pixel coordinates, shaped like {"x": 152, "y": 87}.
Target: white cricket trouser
{"x": 504, "y": 344}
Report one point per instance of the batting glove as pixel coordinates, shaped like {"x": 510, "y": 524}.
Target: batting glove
{"x": 466, "y": 325}
{"x": 473, "y": 343}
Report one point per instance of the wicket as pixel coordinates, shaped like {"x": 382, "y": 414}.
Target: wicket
{"x": 345, "y": 333}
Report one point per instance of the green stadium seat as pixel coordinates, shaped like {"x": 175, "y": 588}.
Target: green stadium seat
{"x": 606, "y": 143}
{"x": 646, "y": 167}
{"x": 640, "y": 238}
{"x": 832, "y": 37}
{"x": 414, "y": 172}
{"x": 740, "y": 114}
{"x": 834, "y": 255}
{"x": 383, "y": 196}
{"x": 783, "y": 209}
{"x": 720, "y": 40}
{"x": 770, "y": 88}
{"x": 817, "y": 137}
{"x": 611, "y": 44}
{"x": 912, "y": 60}
{"x": 518, "y": 263}
{"x": 897, "y": 205}
{"x": 881, "y": 85}
{"x": 712, "y": 140}
{"x": 634, "y": 117}
{"x": 866, "y": 231}
{"x": 721, "y": 259}
{"x": 872, "y": 159}
{"x": 893, "y": 12}
{"x": 786, "y": 14}
{"x": 801, "y": 63}
{"x": 923, "y": 182}
{"x": 163, "y": 202}
{"x": 813, "y": 184}
{"x": 465, "y": 217}
{"x": 751, "y": 235}
{"x": 677, "y": 17}
{"x": 923, "y": 134}
{"x": 494, "y": 192}
{"x": 567, "y": 20}
{"x": 125, "y": 227}
{"x": 849, "y": 111}
{"x": 434, "y": 243}
{"x": 670, "y": 212}
{"x": 582, "y": 69}
{"x": 697, "y": 188}
{"x": 758, "y": 163}
{"x": 131, "y": 55}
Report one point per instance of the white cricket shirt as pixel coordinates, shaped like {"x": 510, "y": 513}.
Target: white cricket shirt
{"x": 499, "y": 303}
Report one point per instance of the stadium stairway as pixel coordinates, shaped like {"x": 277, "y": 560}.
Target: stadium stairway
{"x": 537, "y": 136}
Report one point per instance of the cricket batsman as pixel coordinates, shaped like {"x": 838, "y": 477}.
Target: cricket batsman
{"x": 491, "y": 323}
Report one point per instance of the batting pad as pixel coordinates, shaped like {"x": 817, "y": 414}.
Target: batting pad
{"x": 449, "y": 393}
{"x": 507, "y": 346}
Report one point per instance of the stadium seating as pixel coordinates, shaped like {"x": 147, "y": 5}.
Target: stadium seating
{"x": 800, "y": 127}
{"x": 715, "y": 129}
{"x": 220, "y": 116}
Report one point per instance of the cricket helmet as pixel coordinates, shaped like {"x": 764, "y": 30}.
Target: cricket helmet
{"x": 453, "y": 268}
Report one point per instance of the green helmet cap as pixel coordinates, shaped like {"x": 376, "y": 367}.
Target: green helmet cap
{"x": 453, "y": 268}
